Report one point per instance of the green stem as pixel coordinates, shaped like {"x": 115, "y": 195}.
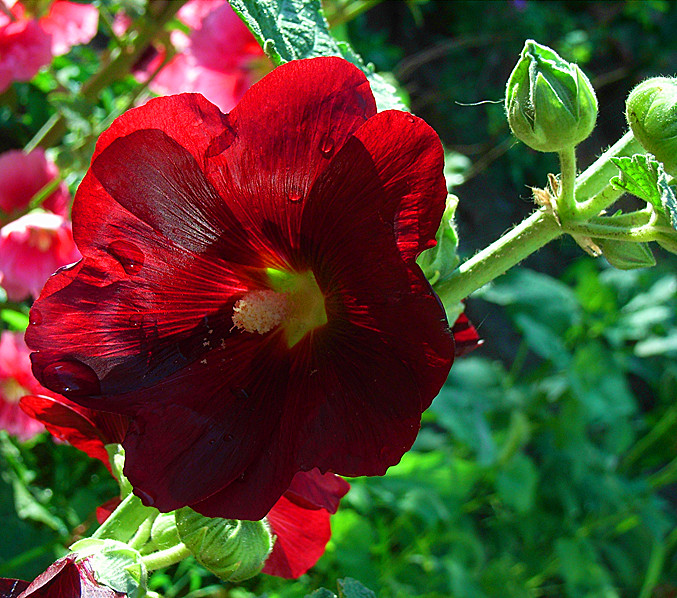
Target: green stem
{"x": 165, "y": 558}
{"x": 657, "y": 431}
{"x": 143, "y": 533}
{"x": 566, "y": 202}
{"x": 120, "y": 62}
{"x": 596, "y": 177}
{"x": 592, "y": 195}
{"x": 125, "y": 521}
{"x": 653, "y": 571}
{"x": 526, "y": 238}
{"x": 637, "y": 234}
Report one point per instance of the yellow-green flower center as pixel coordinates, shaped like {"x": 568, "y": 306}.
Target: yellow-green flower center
{"x": 293, "y": 303}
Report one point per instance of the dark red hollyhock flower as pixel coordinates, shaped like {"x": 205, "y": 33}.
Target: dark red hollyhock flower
{"x": 63, "y": 579}
{"x": 249, "y": 295}
{"x": 86, "y": 429}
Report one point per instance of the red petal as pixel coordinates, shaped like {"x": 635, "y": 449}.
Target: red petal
{"x": 85, "y": 429}
{"x": 11, "y": 588}
{"x": 60, "y": 580}
{"x": 302, "y": 536}
{"x": 466, "y": 338}
{"x": 104, "y": 511}
{"x": 297, "y": 118}
{"x": 314, "y": 490}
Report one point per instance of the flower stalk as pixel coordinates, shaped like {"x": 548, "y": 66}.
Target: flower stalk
{"x": 581, "y": 200}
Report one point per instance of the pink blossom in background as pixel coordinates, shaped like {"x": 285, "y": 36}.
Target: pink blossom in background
{"x": 27, "y": 44}
{"x": 23, "y": 175}
{"x": 16, "y": 380}
{"x": 70, "y": 24}
{"x": 31, "y": 249}
{"x": 219, "y": 59}
{"x": 24, "y": 48}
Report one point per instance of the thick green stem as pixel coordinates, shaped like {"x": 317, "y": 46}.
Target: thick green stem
{"x": 592, "y": 195}
{"x": 165, "y": 558}
{"x": 526, "y": 238}
{"x": 566, "y": 202}
{"x": 126, "y": 520}
{"x": 120, "y": 63}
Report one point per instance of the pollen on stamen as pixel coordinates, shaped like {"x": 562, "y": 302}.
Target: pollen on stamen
{"x": 260, "y": 311}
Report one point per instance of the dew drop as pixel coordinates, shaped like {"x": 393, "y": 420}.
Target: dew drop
{"x": 35, "y": 317}
{"x": 229, "y": 437}
{"x": 295, "y": 196}
{"x": 327, "y": 146}
{"x": 410, "y": 118}
{"x": 212, "y": 441}
{"x": 71, "y": 378}
{"x": 136, "y": 320}
{"x": 146, "y": 498}
{"x": 129, "y": 255}
{"x": 240, "y": 393}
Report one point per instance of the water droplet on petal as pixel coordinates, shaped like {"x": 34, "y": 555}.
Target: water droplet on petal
{"x": 327, "y": 146}
{"x": 136, "y": 320}
{"x": 240, "y": 393}
{"x": 295, "y": 196}
{"x": 71, "y": 378}
{"x": 146, "y": 498}
{"x": 35, "y": 316}
{"x": 410, "y": 118}
{"x": 129, "y": 255}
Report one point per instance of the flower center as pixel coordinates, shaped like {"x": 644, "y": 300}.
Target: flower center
{"x": 294, "y": 303}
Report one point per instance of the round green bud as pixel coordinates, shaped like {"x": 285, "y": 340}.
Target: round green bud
{"x": 651, "y": 111}
{"x": 232, "y": 550}
{"x": 550, "y": 103}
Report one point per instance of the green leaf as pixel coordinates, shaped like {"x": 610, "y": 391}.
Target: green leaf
{"x": 645, "y": 177}
{"x": 516, "y": 483}
{"x": 14, "y": 319}
{"x": 626, "y": 255}
{"x": 295, "y": 29}
{"x": 351, "y": 588}
{"x": 321, "y": 593}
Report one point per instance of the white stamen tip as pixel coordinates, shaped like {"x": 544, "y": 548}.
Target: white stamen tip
{"x": 260, "y": 311}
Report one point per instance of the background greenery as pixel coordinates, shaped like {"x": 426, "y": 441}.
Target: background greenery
{"x": 548, "y": 464}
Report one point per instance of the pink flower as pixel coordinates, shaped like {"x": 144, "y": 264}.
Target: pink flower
{"x": 31, "y": 249}
{"x": 28, "y": 44}
{"x": 16, "y": 380}
{"x": 219, "y": 59}
{"x": 23, "y": 175}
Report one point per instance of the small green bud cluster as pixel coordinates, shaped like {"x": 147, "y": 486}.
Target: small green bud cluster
{"x": 550, "y": 103}
{"x": 651, "y": 112}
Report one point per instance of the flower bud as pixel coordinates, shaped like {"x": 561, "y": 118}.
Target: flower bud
{"x": 550, "y": 103}
{"x": 115, "y": 565}
{"x": 651, "y": 112}
{"x": 232, "y": 550}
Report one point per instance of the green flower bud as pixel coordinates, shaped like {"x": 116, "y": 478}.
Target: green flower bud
{"x": 232, "y": 550}
{"x": 164, "y": 533}
{"x": 115, "y": 565}
{"x": 651, "y": 111}
{"x": 550, "y": 103}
